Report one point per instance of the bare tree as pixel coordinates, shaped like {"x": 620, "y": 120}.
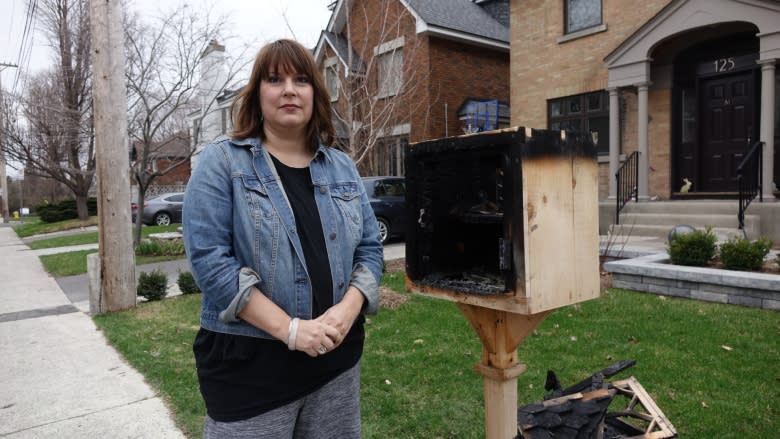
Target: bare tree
{"x": 165, "y": 79}
{"x": 49, "y": 127}
{"x": 379, "y": 91}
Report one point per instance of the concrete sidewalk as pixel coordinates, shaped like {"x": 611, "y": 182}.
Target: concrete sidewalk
{"x": 60, "y": 378}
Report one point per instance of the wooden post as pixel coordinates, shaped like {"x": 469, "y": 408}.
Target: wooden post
{"x": 113, "y": 167}
{"x": 500, "y": 332}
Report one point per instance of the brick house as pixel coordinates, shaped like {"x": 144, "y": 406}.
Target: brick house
{"x": 402, "y": 71}
{"x": 173, "y": 152}
{"x": 689, "y": 84}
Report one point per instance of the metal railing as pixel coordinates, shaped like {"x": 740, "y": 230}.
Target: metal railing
{"x": 749, "y": 180}
{"x": 627, "y": 179}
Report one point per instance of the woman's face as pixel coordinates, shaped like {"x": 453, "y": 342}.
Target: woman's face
{"x": 286, "y": 101}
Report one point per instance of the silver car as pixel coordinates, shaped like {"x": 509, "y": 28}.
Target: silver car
{"x": 161, "y": 210}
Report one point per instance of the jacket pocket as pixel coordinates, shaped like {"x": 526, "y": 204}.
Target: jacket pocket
{"x": 346, "y": 197}
{"x": 256, "y": 197}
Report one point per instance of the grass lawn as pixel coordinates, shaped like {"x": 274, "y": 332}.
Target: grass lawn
{"x": 64, "y": 241}
{"x": 34, "y": 226}
{"x": 73, "y": 263}
{"x": 711, "y": 368}
{"x": 92, "y": 237}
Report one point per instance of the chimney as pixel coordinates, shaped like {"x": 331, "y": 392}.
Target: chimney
{"x": 212, "y": 47}
{"x": 212, "y": 71}
{"x": 213, "y": 78}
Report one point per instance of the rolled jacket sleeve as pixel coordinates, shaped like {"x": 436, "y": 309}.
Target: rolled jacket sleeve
{"x": 208, "y": 235}
{"x": 247, "y": 279}
{"x": 364, "y": 280}
{"x": 368, "y": 256}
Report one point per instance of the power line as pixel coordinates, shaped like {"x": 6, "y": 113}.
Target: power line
{"x": 11, "y": 27}
{"x": 26, "y": 44}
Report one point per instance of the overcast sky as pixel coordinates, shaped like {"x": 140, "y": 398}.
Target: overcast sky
{"x": 255, "y": 22}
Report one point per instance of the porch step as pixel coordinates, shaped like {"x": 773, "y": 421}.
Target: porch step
{"x": 703, "y": 207}
{"x": 696, "y": 220}
{"x": 657, "y": 218}
{"x": 723, "y": 233}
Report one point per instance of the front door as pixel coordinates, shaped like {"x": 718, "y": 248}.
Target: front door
{"x": 727, "y": 123}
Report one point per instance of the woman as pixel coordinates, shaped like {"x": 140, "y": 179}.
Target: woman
{"x": 285, "y": 247}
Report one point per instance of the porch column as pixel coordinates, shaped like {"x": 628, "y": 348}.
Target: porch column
{"x": 768, "y": 125}
{"x": 642, "y": 137}
{"x": 614, "y": 140}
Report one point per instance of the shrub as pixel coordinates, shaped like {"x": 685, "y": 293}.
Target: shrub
{"x": 741, "y": 254}
{"x": 153, "y": 285}
{"x": 153, "y": 247}
{"x": 53, "y": 213}
{"x": 172, "y": 248}
{"x": 64, "y": 210}
{"x": 148, "y": 247}
{"x": 187, "y": 283}
{"x": 695, "y": 249}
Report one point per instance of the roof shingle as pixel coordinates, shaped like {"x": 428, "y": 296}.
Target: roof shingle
{"x": 460, "y": 15}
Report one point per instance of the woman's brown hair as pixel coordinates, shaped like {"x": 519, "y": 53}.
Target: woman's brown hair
{"x": 282, "y": 56}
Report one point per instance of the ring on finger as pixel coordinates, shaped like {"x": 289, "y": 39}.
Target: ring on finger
{"x": 321, "y": 350}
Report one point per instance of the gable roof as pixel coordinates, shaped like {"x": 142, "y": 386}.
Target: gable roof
{"x": 477, "y": 23}
{"x": 453, "y": 17}
{"x": 340, "y": 45}
{"x": 173, "y": 147}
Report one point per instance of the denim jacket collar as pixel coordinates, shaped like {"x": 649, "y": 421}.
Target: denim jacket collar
{"x": 256, "y": 144}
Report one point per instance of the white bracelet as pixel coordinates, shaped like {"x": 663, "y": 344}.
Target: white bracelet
{"x": 292, "y": 333}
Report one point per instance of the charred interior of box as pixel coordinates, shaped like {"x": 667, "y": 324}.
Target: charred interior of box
{"x": 462, "y": 196}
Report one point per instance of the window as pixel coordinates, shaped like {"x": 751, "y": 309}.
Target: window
{"x": 176, "y": 198}
{"x": 582, "y": 14}
{"x": 390, "y": 188}
{"x": 389, "y": 60}
{"x": 389, "y": 155}
{"x": 332, "y": 78}
{"x": 390, "y": 73}
{"x": 584, "y": 113}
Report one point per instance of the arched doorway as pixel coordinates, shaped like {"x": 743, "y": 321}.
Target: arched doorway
{"x": 715, "y": 108}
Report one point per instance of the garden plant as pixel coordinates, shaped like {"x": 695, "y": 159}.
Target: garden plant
{"x": 152, "y": 285}
{"x": 697, "y": 248}
{"x": 741, "y": 254}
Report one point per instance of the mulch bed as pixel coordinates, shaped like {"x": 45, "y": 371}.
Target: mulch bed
{"x": 770, "y": 266}
{"x": 395, "y": 265}
{"x": 388, "y": 298}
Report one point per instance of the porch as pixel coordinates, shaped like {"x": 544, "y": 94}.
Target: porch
{"x": 656, "y": 218}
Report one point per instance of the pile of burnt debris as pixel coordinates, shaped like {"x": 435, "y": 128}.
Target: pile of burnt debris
{"x": 586, "y": 410}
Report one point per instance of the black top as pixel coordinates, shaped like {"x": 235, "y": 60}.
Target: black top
{"x": 300, "y": 192}
{"x": 241, "y": 377}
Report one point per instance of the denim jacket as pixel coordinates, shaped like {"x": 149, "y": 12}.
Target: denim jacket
{"x": 239, "y": 232}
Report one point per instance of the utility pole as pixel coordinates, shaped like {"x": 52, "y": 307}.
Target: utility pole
{"x": 3, "y": 177}
{"x": 117, "y": 258}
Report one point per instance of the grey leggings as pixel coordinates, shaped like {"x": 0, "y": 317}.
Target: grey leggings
{"x": 333, "y": 411}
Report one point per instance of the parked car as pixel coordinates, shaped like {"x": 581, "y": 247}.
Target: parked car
{"x": 388, "y": 199}
{"x": 161, "y": 210}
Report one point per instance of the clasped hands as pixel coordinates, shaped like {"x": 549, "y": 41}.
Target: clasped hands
{"x": 326, "y": 332}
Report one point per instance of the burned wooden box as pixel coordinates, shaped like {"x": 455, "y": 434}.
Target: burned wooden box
{"x": 506, "y": 220}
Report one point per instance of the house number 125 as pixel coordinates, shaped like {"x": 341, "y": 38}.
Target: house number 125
{"x": 724, "y": 65}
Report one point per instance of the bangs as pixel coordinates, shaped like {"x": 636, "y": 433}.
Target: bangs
{"x": 282, "y": 57}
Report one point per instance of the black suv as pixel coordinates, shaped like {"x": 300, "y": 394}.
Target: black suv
{"x": 388, "y": 199}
